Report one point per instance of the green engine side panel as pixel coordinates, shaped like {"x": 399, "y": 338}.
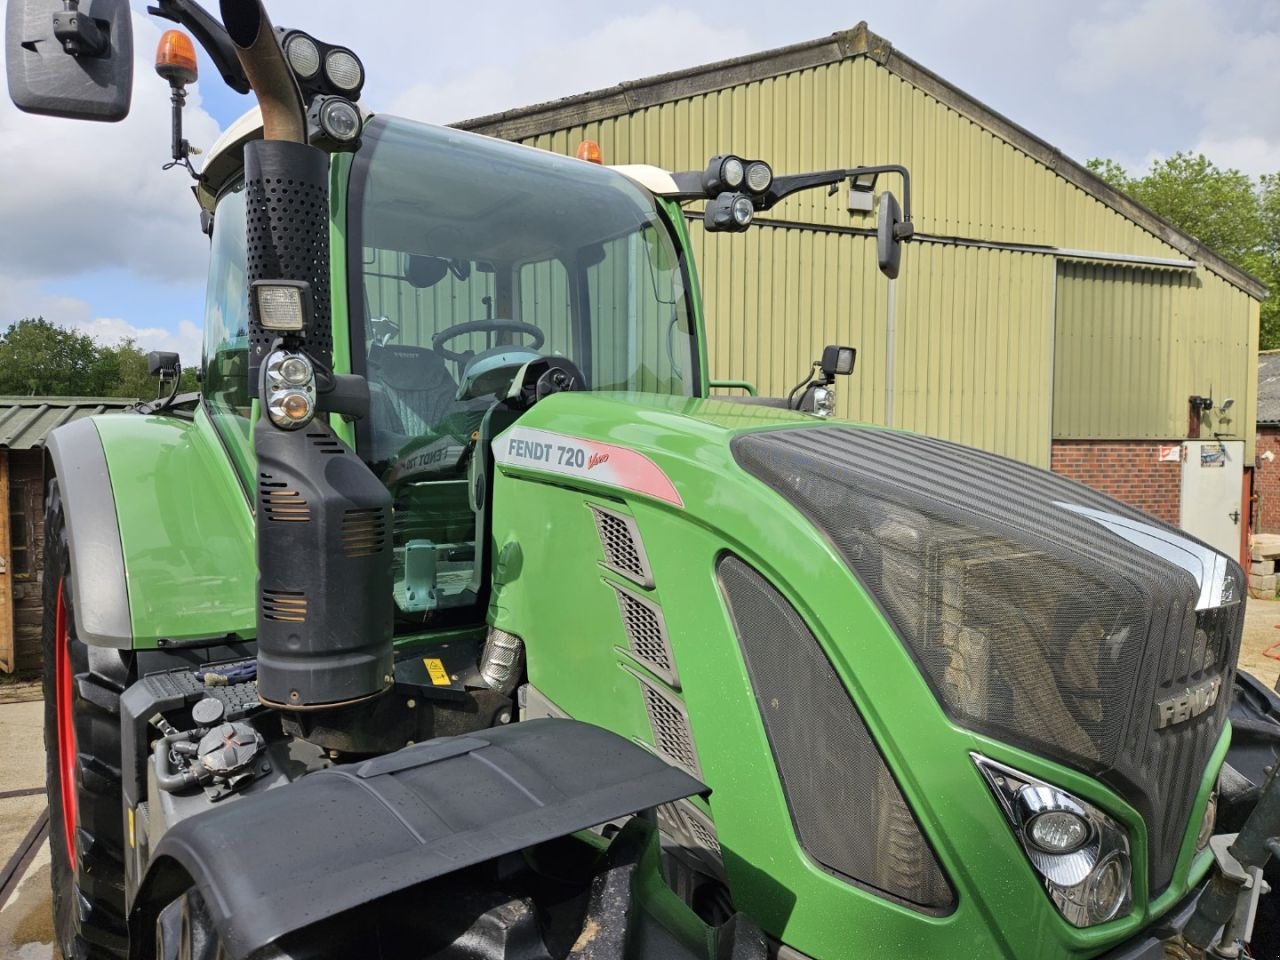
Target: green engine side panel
{"x": 551, "y": 587}
{"x": 185, "y": 528}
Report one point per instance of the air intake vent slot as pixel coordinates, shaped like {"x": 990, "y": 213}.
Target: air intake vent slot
{"x": 364, "y": 532}
{"x": 692, "y": 833}
{"x": 624, "y": 552}
{"x": 848, "y": 811}
{"x": 672, "y": 737}
{"x": 647, "y": 634}
{"x": 326, "y": 442}
{"x": 287, "y": 606}
{"x": 281, "y": 503}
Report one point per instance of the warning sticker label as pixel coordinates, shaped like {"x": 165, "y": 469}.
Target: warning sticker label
{"x": 602, "y": 463}
{"x": 436, "y": 671}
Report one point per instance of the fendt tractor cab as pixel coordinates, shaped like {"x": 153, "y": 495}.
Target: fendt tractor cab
{"x": 454, "y": 620}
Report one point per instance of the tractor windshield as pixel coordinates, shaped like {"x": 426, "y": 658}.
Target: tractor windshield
{"x": 469, "y": 257}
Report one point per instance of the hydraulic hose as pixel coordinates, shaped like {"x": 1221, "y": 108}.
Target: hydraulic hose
{"x": 166, "y": 778}
{"x": 250, "y": 30}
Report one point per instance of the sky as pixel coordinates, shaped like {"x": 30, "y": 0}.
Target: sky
{"x": 96, "y": 237}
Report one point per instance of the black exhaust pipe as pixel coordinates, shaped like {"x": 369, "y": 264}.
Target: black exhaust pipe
{"x": 324, "y": 603}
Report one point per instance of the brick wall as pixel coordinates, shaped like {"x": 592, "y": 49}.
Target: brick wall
{"x": 1129, "y": 470}
{"x": 1266, "y": 480}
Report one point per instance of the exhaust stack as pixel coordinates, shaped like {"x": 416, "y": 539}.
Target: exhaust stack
{"x": 324, "y": 601}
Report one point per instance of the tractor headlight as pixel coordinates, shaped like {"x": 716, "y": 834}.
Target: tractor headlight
{"x": 291, "y": 390}
{"x": 303, "y": 55}
{"x": 340, "y": 119}
{"x": 759, "y": 177}
{"x": 282, "y": 304}
{"x": 724, "y": 173}
{"x": 1080, "y": 853}
{"x": 342, "y": 69}
{"x": 731, "y": 173}
{"x": 728, "y": 211}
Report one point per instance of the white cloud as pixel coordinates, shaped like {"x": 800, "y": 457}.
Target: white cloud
{"x": 1251, "y": 155}
{"x": 1215, "y": 62}
{"x": 110, "y": 331}
{"x": 626, "y": 48}
{"x": 82, "y": 197}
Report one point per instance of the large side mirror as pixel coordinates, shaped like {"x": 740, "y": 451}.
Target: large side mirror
{"x": 889, "y": 235}
{"x": 69, "y": 60}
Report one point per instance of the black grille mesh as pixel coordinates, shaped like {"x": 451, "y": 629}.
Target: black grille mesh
{"x": 848, "y": 812}
{"x": 623, "y": 552}
{"x": 1032, "y": 622}
{"x": 671, "y": 734}
{"x": 646, "y": 634}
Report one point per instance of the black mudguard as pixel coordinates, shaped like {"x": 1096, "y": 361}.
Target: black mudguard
{"x": 341, "y": 838}
{"x": 1255, "y": 730}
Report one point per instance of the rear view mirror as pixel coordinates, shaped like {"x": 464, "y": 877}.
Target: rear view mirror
{"x": 888, "y": 236}
{"x": 423, "y": 272}
{"x": 74, "y": 63}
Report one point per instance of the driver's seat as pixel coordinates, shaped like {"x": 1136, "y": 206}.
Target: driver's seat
{"x": 418, "y": 385}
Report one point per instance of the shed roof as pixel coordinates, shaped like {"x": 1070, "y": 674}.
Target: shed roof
{"x": 1269, "y": 387}
{"x": 630, "y": 96}
{"x": 25, "y": 422}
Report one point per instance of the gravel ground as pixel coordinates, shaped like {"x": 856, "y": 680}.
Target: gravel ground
{"x": 1261, "y": 632}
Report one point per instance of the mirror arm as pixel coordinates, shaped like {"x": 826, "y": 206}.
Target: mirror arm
{"x": 79, "y": 33}
{"x": 784, "y": 186}
{"x": 211, "y": 34}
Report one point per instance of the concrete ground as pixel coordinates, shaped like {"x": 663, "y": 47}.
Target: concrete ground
{"x": 26, "y": 921}
{"x": 1261, "y": 633}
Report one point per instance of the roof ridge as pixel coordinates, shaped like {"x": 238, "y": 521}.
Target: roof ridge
{"x": 522, "y": 122}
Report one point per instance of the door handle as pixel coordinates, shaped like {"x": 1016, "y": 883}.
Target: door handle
{"x": 1235, "y": 517}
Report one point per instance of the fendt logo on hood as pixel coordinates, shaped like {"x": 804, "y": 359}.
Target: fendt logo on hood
{"x": 1186, "y": 706}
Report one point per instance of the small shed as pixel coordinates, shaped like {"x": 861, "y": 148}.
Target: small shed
{"x": 25, "y": 423}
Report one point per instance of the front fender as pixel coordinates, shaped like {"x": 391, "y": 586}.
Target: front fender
{"x": 160, "y": 532}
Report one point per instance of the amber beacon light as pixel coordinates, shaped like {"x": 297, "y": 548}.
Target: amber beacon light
{"x": 176, "y": 58}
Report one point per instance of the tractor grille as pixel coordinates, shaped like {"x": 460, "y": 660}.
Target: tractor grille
{"x": 623, "y": 550}
{"x": 1041, "y": 612}
{"x": 672, "y": 737}
{"x": 848, "y": 812}
{"x": 646, "y": 634}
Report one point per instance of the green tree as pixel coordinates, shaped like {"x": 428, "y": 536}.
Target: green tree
{"x": 1226, "y": 210}
{"x": 41, "y": 358}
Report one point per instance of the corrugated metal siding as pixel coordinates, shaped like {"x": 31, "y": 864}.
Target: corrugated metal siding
{"x": 975, "y": 345}
{"x": 26, "y": 422}
{"x": 967, "y": 182}
{"x": 1132, "y": 345}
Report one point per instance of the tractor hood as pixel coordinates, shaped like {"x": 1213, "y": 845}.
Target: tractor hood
{"x": 1039, "y": 612}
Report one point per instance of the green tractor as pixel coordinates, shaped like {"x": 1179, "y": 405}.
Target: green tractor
{"x": 453, "y": 619}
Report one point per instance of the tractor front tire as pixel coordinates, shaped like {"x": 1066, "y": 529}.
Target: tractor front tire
{"x": 82, "y": 687}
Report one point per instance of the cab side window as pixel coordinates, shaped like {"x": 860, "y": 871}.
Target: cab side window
{"x": 226, "y": 319}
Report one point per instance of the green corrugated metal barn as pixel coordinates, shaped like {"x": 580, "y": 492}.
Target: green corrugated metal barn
{"x": 1039, "y": 313}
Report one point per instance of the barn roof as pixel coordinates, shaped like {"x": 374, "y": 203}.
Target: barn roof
{"x": 630, "y": 96}
{"x": 1269, "y": 387}
{"x": 25, "y": 422}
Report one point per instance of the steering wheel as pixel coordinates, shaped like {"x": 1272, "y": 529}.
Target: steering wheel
{"x": 477, "y": 326}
